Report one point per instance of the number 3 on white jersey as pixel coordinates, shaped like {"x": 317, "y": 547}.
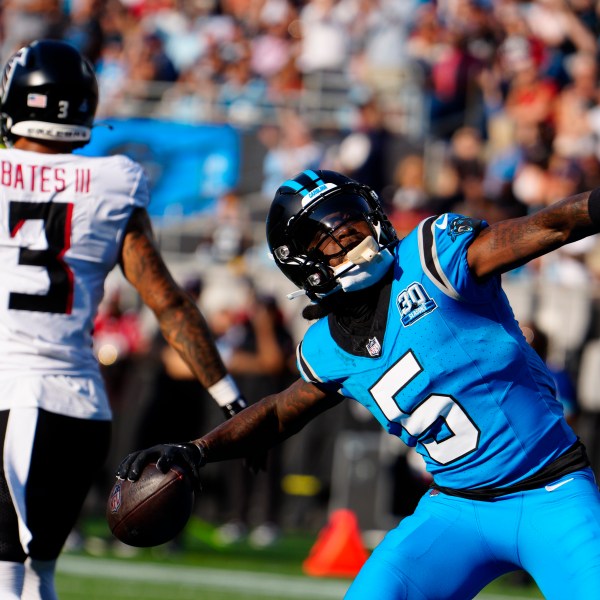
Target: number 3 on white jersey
{"x": 464, "y": 435}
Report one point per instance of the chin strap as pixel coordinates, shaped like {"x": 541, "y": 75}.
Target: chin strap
{"x": 365, "y": 252}
{"x": 365, "y": 265}
{"x": 295, "y": 294}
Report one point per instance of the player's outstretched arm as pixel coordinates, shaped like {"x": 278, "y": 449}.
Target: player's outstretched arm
{"x": 259, "y": 427}
{"x": 509, "y": 244}
{"x": 268, "y": 422}
{"x": 179, "y": 318}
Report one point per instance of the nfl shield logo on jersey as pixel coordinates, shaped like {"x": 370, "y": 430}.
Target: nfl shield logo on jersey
{"x": 114, "y": 501}
{"x": 374, "y": 347}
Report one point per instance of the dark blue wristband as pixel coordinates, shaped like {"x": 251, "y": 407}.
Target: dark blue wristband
{"x": 594, "y": 206}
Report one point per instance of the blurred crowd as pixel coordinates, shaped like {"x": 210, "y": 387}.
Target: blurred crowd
{"x": 488, "y": 108}
{"x": 508, "y": 89}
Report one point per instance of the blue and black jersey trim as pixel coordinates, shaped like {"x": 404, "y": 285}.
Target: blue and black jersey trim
{"x": 430, "y": 260}
{"x": 574, "y": 459}
{"x": 305, "y": 369}
{"x": 309, "y": 374}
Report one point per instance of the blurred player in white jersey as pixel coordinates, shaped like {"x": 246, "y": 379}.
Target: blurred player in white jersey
{"x": 65, "y": 222}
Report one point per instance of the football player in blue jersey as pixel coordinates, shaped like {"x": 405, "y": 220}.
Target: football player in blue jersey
{"x": 420, "y": 332}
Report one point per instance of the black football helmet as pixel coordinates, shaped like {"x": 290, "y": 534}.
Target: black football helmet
{"x": 318, "y": 203}
{"x": 48, "y": 91}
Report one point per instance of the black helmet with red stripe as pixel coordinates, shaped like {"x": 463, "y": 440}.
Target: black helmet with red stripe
{"x": 318, "y": 203}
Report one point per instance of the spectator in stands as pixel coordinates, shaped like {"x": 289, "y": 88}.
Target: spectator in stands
{"x": 26, "y": 20}
{"x": 112, "y": 70}
{"x": 175, "y": 391}
{"x": 324, "y": 46}
{"x": 410, "y": 189}
{"x": 559, "y": 29}
{"x": 149, "y": 61}
{"x": 192, "y": 99}
{"x": 292, "y": 147}
{"x": 379, "y": 31}
{"x": 273, "y": 47}
{"x": 83, "y": 29}
{"x": 242, "y": 97}
{"x": 362, "y": 153}
{"x": 232, "y": 229}
{"x": 530, "y": 95}
{"x": 565, "y": 384}
{"x": 573, "y": 134}
{"x": 261, "y": 358}
{"x": 454, "y": 94}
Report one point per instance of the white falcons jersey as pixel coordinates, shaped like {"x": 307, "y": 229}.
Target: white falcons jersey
{"x": 62, "y": 221}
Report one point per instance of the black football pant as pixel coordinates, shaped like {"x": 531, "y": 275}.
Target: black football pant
{"x": 49, "y": 463}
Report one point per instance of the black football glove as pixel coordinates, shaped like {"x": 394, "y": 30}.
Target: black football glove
{"x": 234, "y": 408}
{"x": 187, "y": 455}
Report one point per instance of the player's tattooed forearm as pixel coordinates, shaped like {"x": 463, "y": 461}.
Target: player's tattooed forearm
{"x": 256, "y": 427}
{"x": 144, "y": 265}
{"x": 186, "y": 330}
{"x": 181, "y": 323}
{"x": 267, "y": 422}
{"x": 543, "y": 231}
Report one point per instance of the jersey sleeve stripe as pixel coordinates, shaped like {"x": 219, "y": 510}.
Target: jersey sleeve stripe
{"x": 430, "y": 260}
{"x": 305, "y": 369}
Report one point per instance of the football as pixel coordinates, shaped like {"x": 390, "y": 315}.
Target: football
{"x": 151, "y": 510}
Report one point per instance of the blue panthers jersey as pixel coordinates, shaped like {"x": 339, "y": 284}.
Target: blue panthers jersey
{"x": 452, "y": 374}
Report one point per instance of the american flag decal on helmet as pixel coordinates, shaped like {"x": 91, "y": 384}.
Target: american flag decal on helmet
{"x": 114, "y": 501}
{"x": 37, "y": 100}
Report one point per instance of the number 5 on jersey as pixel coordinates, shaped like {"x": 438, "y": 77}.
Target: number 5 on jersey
{"x": 464, "y": 435}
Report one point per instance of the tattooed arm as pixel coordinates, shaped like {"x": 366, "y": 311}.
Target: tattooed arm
{"x": 512, "y": 243}
{"x": 268, "y": 422}
{"x": 180, "y": 320}
{"x": 257, "y": 428}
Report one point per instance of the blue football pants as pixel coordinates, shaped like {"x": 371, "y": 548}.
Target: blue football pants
{"x": 450, "y": 548}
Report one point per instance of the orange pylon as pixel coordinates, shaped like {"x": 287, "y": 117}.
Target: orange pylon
{"x": 339, "y": 550}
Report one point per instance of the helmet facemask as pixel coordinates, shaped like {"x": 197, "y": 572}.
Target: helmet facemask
{"x": 351, "y": 230}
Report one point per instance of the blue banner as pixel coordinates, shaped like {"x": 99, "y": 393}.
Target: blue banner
{"x": 189, "y": 166}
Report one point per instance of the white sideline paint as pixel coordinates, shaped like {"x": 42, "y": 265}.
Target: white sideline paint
{"x": 269, "y": 585}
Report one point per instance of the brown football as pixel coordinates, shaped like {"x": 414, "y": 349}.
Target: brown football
{"x": 151, "y": 510}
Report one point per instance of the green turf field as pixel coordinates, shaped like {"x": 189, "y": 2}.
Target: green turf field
{"x": 200, "y": 569}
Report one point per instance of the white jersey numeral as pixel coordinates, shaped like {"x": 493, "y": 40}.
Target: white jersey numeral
{"x": 63, "y": 109}
{"x": 461, "y": 434}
